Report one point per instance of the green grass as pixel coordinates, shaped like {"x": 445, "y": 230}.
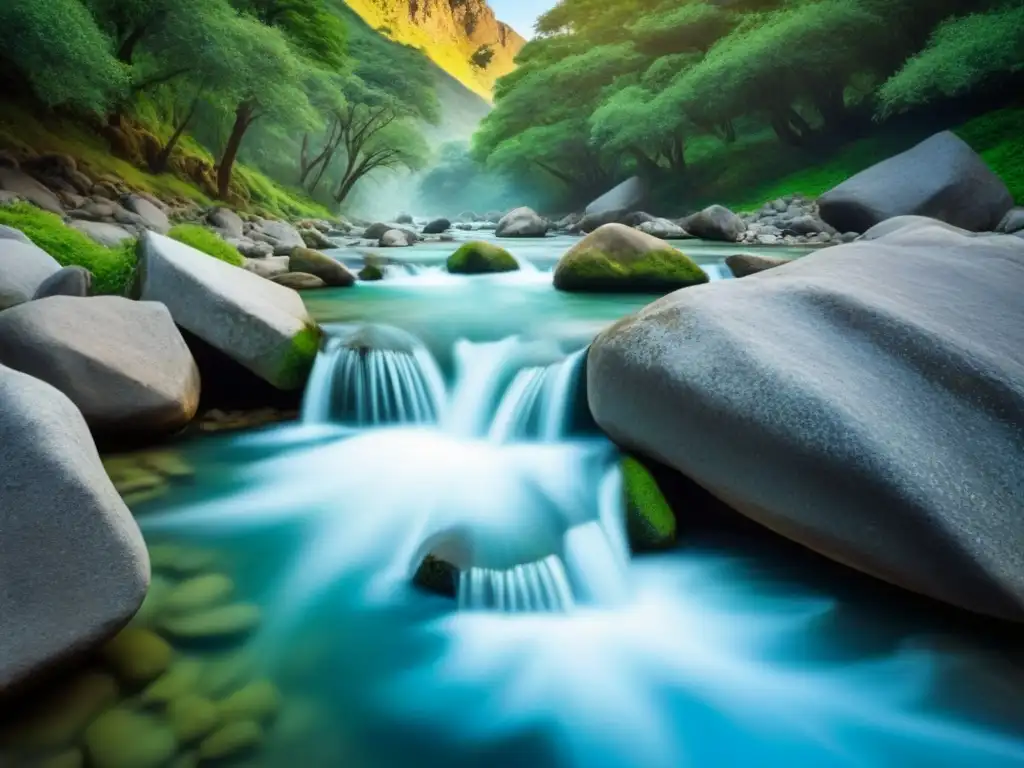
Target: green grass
{"x": 759, "y": 168}
{"x": 202, "y": 239}
{"x": 112, "y": 268}
{"x": 650, "y": 522}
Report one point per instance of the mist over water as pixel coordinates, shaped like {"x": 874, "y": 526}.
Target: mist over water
{"x": 461, "y": 439}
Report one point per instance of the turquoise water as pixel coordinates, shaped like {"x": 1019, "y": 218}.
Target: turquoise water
{"x": 731, "y": 651}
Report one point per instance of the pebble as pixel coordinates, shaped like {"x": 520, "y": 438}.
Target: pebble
{"x": 230, "y": 740}
{"x": 122, "y": 738}
{"x": 199, "y": 593}
{"x": 192, "y": 717}
{"x": 138, "y": 655}
{"x": 258, "y": 701}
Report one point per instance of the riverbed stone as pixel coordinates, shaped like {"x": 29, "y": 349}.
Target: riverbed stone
{"x": 68, "y": 539}
{"x": 10, "y": 233}
{"x": 396, "y": 238}
{"x": 280, "y": 234}
{"x": 663, "y": 229}
{"x": 902, "y": 462}
{"x": 1012, "y": 222}
{"x": 437, "y": 226}
{"x": 192, "y": 717}
{"x": 522, "y": 222}
{"x": 299, "y": 281}
{"x": 181, "y": 679}
{"x": 23, "y": 269}
{"x": 942, "y": 177}
{"x": 27, "y": 188}
{"x": 69, "y": 281}
{"x": 746, "y": 264}
{"x": 258, "y": 701}
{"x": 199, "y": 593}
{"x": 137, "y": 656}
{"x": 620, "y": 258}
{"x": 263, "y": 326}
{"x": 371, "y": 273}
{"x": 123, "y": 738}
{"x": 153, "y": 218}
{"x": 227, "y": 221}
{"x": 123, "y": 363}
{"x": 224, "y": 621}
{"x": 231, "y": 740}
{"x": 480, "y": 257}
{"x": 331, "y": 271}
{"x": 269, "y": 267}
{"x": 107, "y": 235}
{"x": 715, "y": 222}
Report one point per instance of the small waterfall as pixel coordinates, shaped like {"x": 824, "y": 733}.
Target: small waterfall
{"x": 541, "y": 587}
{"x": 357, "y": 384}
{"x": 536, "y": 404}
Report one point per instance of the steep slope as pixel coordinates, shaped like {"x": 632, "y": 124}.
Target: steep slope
{"x": 449, "y": 32}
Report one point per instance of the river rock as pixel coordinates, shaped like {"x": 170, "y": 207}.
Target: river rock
{"x": 227, "y": 221}
{"x": 376, "y": 231}
{"x": 627, "y": 196}
{"x": 153, "y": 218}
{"x": 263, "y": 326}
{"x": 403, "y": 218}
{"x": 70, "y": 281}
{"x": 522, "y": 222}
{"x": 314, "y": 238}
{"x": 299, "y": 281}
{"x": 137, "y": 656}
{"x": 746, "y": 264}
{"x": 199, "y": 593}
{"x": 437, "y": 226}
{"x": 192, "y": 717}
{"x": 281, "y": 234}
{"x": 902, "y": 462}
{"x": 231, "y": 740}
{"x": 68, "y": 539}
{"x": 10, "y": 233}
{"x": 252, "y": 249}
{"x": 23, "y": 269}
{"x": 1012, "y": 222}
{"x": 479, "y": 257}
{"x": 24, "y": 186}
{"x": 394, "y": 238}
{"x": 371, "y": 272}
{"x": 663, "y": 229}
{"x": 269, "y": 267}
{"x": 331, "y": 271}
{"x": 123, "y": 363}
{"x": 594, "y": 221}
{"x": 107, "y": 235}
{"x": 620, "y": 258}
{"x": 942, "y": 177}
{"x": 258, "y": 701}
{"x": 122, "y": 738}
{"x": 715, "y": 223}
{"x": 223, "y": 621}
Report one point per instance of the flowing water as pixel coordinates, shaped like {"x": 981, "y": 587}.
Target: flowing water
{"x": 440, "y": 420}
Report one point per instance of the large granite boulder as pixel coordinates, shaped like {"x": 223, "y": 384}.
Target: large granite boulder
{"x": 23, "y": 268}
{"x": 19, "y": 183}
{"x": 70, "y": 281}
{"x": 522, "y": 222}
{"x": 620, "y": 258}
{"x": 262, "y": 326}
{"x": 866, "y": 401}
{"x": 942, "y": 177}
{"x": 331, "y": 271}
{"x": 715, "y": 223}
{"x": 627, "y": 196}
{"x": 123, "y": 363}
{"x": 75, "y": 567}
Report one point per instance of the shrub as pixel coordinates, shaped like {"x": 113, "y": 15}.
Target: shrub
{"x": 112, "y": 268}
{"x": 208, "y": 242}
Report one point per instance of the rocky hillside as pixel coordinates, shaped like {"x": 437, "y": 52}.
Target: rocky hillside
{"x": 450, "y": 32}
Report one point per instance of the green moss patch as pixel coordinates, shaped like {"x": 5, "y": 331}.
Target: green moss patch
{"x": 477, "y": 258}
{"x": 299, "y": 361}
{"x": 111, "y": 268}
{"x": 650, "y": 523}
{"x": 208, "y": 242}
{"x": 658, "y": 271}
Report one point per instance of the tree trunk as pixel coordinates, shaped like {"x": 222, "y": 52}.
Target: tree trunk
{"x": 158, "y": 164}
{"x": 244, "y": 117}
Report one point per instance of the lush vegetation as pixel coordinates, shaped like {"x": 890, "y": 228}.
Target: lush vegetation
{"x": 203, "y": 239}
{"x": 112, "y": 268}
{"x": 689, "y": 92}
{"x": 267, "y": 104}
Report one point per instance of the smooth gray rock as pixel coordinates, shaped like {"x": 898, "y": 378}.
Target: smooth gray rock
{"x": 10, "y": 233}
{"x": 299, "y": 281}
{"x": 394, "y": 238}
{"x": 942, "y": 177}
{"x": 152, "y": 217}
{"x": 331, "y": 271}
{"x": 70, "y": 281}
{"x": 522, "y": 222}
{"x": 252, "y": 249}
{"x": 108, "y": 235}
{"x": 913, "y": 227}
{"x": 715, "y": 223}
{"x": 314, "y": 238}
{"x": 226, "y": 220}
{"x": 269, "y": 267}
{"x": 281, "y": 234}
{"x": 123, "y": 363}
{"x": 24, "y": 186}
{"x": 437, "y": 226}
{"x": 664, "y": 229}
{"x": 263, "y": 326}
{"x": 746, "y": 264}
{"x": 75, "y": 567}
{"x": 866, "y": 401}
{"x": 627, "y": 196}
{"x": 23, "y": 268}
{"x": 376, "y": 231}
{"x": 1012, "y": 222}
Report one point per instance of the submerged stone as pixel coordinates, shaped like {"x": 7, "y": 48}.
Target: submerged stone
{"x": 258, "y": 701}
{"x": 199, "y": 593}
{"x": 180, "y": 680}
{"x": 231, "y": 740}
{"x": 138, "y": 655}
{"x": 122, "y": 738}
{"x": 226, "y": 621}
{"x": 192, "y": 717}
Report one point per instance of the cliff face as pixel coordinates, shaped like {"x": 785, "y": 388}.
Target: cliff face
{"x": 449, "y": 32}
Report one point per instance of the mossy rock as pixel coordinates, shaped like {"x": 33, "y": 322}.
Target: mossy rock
{"x": 258, "y": 701}
{"x": 371, "y": 273}
{"x": 192, "y": 717}
{"x": 122, "y": 738}
{"x": 650, "y": 522}
{"x": 437, "y": 576}
{"x": 231, "y": 740}
{"x": 61, "y": 716}
{"x": 617, "y": 258}
{"x": 138, "y": 656}
{"x": 199, "y": 593}
{"x": 479, "y": 258}
{"x": 227, "y": 621}
{"x": 182, "y": 679}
